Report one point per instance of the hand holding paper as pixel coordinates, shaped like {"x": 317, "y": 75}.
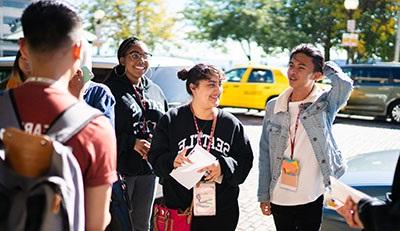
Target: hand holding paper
{"x": 188, "y": 175}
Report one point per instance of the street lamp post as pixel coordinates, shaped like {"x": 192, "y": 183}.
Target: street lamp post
{"x": 98, "y": 17}
{"x": 351, "y": 5}
{"x": 397, "y": 46}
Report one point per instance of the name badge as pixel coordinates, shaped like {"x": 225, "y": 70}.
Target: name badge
{"x": 204, "y": 199}
{"x": 290, "y": 174}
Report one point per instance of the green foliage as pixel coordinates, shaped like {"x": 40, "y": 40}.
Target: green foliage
{"x": 278, "y": 25}
{"x": 376, "y": 20}
{"x": 146, "y": 19}
{"x": 217, "y": 20}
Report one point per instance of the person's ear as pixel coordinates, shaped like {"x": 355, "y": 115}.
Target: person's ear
{"x": 76, "y": 50}
{"x": 122, "y": 61}
{"x": 318, "y": 76}
{"x": 192, "y": 87}
{"x": 23, "y": 48}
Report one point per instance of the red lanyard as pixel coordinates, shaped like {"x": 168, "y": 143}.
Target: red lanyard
{"x": 141, "y": 99}
{"x": 293, "y": 139}
{"x": 200, "y": 132}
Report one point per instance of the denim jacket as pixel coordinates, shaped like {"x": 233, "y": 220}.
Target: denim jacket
{"x": 317, "y": 120}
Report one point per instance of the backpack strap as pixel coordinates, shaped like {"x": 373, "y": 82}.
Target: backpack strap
{"x": 71, "y": 121}
{"x": 8, "y": 116}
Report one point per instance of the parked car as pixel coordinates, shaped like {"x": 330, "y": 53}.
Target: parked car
{"x": 252, "y": 86}
{"x": 371, "y": 173}
{"x": 163, "y": 71}
{"x": 376, "y": 90}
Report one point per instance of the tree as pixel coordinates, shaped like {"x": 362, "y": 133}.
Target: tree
{"x": 323, "y": 22}
{"x": 146, "y": 19}
{"x": 279, "y": 25}
{"x": 376, "y": 20}
{"x": 218, "y": 21}
{"x": 307, "y": 21}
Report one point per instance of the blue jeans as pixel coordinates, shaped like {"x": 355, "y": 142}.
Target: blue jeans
{"x": 141, "y": 190}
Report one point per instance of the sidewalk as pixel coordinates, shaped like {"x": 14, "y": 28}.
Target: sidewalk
{"x": 352, "y": 136}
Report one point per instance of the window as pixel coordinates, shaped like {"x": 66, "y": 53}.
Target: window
{"x": 396, "y": 75}
{"x": 100, "y": 74}
{"x": 166, "y": 78}
{"x": 9, "y": 20}
{"x": 16, "y": 3}
{"x": 9, "y": 53}
{"x": 261, "y": 76}
{"x": 235, "y": 75}
{"x": 369, "y": 75}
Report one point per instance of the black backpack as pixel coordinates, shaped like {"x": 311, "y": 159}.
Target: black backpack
{"x": 55, "y": 199}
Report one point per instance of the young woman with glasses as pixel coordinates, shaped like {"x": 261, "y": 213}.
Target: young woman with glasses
{"x": 139, "y": 102}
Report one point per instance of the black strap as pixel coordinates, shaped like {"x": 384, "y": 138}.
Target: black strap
{"x": 8, "y": 116}
{"x": 70, "y": 122}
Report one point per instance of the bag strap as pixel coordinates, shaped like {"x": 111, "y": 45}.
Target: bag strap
{"x": 8, "y": 116}
{"x": 68, "y": 123}
{"x": 71, "y": 121}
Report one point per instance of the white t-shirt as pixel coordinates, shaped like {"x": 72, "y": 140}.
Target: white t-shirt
{"x": 310, "y": 185}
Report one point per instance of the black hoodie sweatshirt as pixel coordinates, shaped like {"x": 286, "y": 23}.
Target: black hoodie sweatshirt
{"x": 176, "y": 130}
{"x": 128, "y": 128}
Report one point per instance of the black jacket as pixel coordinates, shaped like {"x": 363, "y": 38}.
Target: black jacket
{"x": 176, "y": 130}
{"x": 378, "y": 215}
{"x": 128, "y": 128}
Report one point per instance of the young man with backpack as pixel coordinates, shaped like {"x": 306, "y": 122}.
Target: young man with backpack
{"x": 52, "y": 42}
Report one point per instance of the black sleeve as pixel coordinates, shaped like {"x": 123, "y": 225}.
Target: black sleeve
{"x": 236, "y": 166}
{"x": 124, "y": 130}
{"x": 379, "y": 216}
{"x": 160, "y": 156}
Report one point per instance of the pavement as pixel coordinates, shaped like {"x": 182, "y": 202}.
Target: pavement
{"x": 353, "y": 136}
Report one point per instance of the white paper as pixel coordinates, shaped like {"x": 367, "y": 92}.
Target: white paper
{"x": 187, "y": 175}
{"x": 340, "y": 191}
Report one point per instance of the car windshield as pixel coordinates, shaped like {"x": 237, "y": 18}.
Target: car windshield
{"x": 174, "y": 89}
{"x": 377, "y": 161}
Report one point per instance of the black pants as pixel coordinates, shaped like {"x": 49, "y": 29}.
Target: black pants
{"x": 305, "y": 217}
{"x": 226, "y": 220}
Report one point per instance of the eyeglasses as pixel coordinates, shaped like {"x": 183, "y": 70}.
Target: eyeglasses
{"x": 137, "y": 56}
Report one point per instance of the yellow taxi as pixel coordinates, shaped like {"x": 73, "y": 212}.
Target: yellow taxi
{"x": 252, "y": 86}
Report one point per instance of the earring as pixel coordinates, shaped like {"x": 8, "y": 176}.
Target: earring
{"x": 119, "y": 72}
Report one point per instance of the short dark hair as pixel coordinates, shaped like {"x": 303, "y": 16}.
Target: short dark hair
{"x": 311, "y": 51}
{"x": 199, "y": 72}
{"x": 49, "y": 25}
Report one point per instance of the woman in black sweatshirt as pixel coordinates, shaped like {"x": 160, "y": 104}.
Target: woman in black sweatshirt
{"x": 181, "y": 129}
{"x": 139, "y": 105}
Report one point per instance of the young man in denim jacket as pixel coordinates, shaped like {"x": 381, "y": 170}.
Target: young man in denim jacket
{"x": 297, "y": 150}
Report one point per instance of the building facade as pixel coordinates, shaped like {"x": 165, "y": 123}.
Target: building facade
{"x": 10, "y": 13}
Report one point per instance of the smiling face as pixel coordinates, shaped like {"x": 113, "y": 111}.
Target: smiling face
{"x": 301, "y": 72}
{"x": 207, "y": 92}
{"x": 135, "y": 61}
